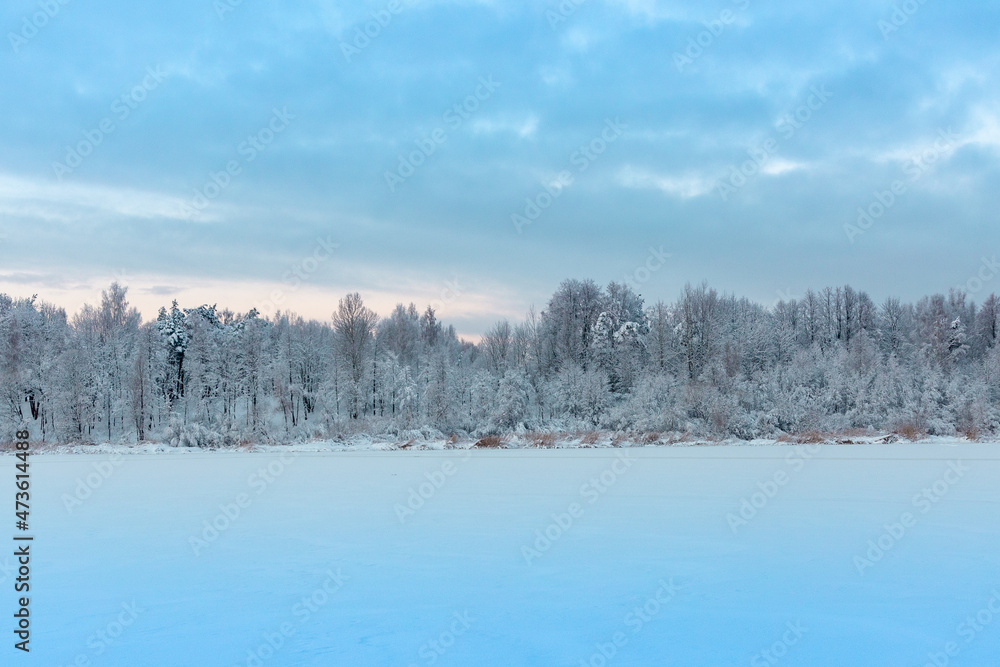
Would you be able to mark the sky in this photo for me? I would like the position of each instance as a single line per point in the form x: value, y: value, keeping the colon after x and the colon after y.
x: 474, y: 154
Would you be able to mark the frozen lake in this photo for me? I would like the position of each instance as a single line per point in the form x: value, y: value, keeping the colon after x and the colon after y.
x: 841, y: 555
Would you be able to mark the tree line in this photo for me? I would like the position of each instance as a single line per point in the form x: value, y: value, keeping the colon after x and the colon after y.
x: 707, y: 364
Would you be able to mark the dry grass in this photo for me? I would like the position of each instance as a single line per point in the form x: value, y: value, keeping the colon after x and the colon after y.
x: 853, y: 432
x: 408, y: 443
x: 971, y: 432
x: 489, y: 442
x: 650, y: 437
x: 452, y: 439
x: 719, y: 421
x: 37, y: 446
x: 910, y: 431
x: 589, y: 438
x: 804, y: 438
x: 543, y: 440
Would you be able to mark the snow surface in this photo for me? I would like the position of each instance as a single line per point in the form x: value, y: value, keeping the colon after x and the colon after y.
x: 456, y: 572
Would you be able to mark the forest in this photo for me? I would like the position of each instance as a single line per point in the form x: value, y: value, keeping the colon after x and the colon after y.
x: 596, y: 358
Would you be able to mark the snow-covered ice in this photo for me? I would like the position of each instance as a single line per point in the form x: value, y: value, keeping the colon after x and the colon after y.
x: 843, y: 555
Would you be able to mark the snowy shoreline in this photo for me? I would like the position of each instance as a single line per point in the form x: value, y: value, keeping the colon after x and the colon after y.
x: 565, y: 441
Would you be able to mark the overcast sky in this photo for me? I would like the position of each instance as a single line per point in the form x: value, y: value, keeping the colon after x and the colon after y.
x: 341, y: 162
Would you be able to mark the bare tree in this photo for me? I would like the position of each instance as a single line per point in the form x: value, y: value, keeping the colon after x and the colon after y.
x: 354, y: 325
x: 698, y: 312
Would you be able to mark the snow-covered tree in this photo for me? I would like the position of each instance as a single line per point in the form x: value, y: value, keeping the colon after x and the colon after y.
x: 594, y: 358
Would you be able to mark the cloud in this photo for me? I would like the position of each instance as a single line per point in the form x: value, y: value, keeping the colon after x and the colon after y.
x: 778, y: 166
x: 20, y: 280
x: 685, y: 186
x: 609, y: 59
x: 67, y: 202
x: 161, y: 290
x: 986, y: 132
x: 654, y: 11
x: 983, y: 132
x: 523, y: 127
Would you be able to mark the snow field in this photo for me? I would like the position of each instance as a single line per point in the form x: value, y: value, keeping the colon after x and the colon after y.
x: 520, y: 557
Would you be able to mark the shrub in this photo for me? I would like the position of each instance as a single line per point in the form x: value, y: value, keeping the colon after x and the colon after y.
x: 489, y: 442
